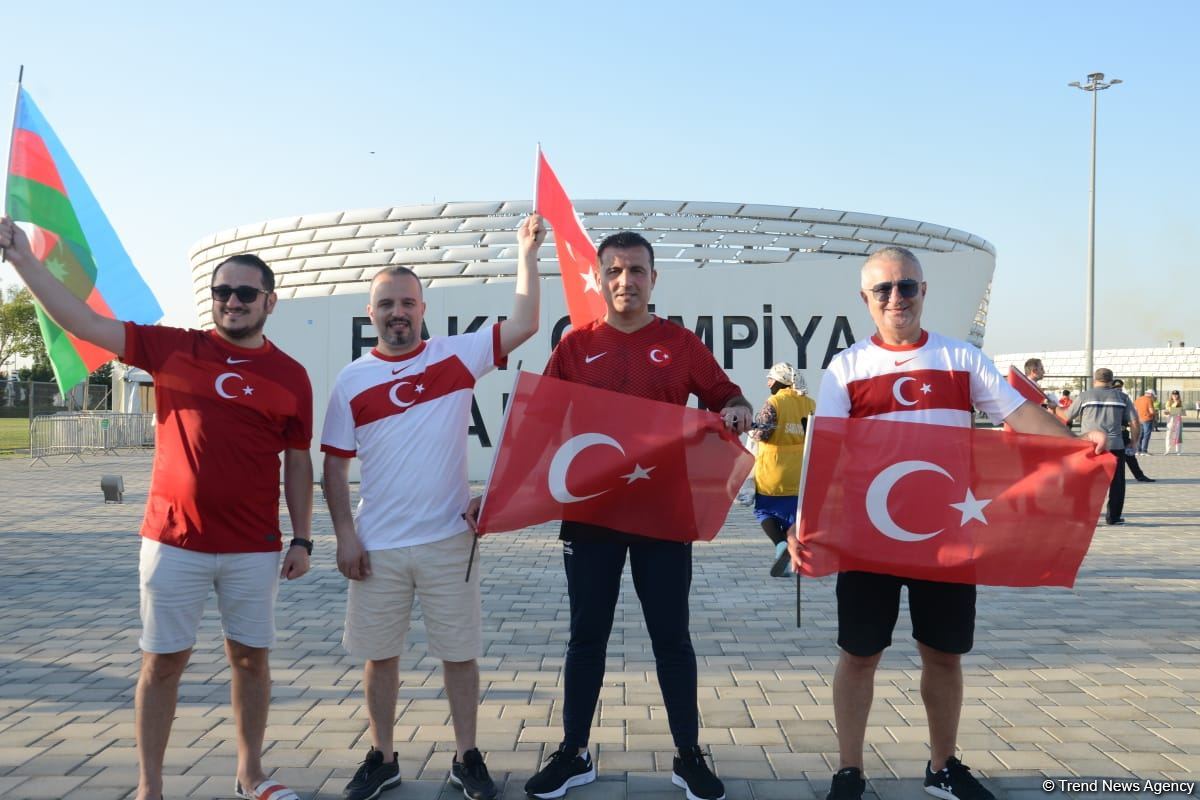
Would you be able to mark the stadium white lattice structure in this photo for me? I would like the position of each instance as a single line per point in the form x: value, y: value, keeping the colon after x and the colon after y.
x: 456, y: 243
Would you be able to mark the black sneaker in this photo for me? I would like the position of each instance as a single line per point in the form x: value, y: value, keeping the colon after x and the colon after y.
x: 564, y: 769
x: 847, y: 784
x: 955, y: 782
x: 691, y: 773
x: 472, y: 777
x: 373, y: 777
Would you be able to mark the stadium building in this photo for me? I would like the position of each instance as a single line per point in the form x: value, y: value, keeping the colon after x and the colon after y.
x: 758, y: 283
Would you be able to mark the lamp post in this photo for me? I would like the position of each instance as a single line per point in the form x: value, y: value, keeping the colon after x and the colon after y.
x: 1095, y: 84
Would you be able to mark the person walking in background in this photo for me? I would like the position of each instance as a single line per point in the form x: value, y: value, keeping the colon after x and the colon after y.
x: 1146, y: 415
x: 1064, y: 402
x: 1174, y: 424
x: 779, y: 429
x: 1130, y: 454
x: 1105, y: 408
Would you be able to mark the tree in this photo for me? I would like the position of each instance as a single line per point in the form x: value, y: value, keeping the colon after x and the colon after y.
x: 19, y: 333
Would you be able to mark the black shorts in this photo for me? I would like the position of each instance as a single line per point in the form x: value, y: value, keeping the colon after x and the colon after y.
x: 943, y: 614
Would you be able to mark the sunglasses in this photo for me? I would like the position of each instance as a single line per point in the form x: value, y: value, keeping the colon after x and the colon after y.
x: 908, y: 289
x: 245, y: 294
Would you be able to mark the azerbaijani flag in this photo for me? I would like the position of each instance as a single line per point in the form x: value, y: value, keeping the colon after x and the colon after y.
x: 73, y: 238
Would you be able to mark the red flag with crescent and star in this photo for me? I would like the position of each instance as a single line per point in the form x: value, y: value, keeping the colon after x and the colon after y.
x: 961, y: 505
x: 574, y: 452
x: 576, y: 254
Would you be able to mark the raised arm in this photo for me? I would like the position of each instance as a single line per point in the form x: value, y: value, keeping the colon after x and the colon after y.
x: 524, y: 320
x: 59, y: 302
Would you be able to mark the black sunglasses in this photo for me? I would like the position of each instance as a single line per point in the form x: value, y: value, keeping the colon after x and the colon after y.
x: 908, y: 289
x: 245, y: 294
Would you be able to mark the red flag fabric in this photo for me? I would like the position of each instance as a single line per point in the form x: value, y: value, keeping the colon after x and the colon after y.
x: 574, y: 452
x: 1025, y: 387
x: 961, y: 505
x: 576, y: 254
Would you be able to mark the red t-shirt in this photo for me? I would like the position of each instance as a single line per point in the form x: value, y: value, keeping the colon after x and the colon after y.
x: 663, y: 361
x: 224, y: 414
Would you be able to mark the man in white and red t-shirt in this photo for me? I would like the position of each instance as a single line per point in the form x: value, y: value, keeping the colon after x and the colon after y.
x: 228, y: 403
x: 403, y: 410
x: 907, y: 374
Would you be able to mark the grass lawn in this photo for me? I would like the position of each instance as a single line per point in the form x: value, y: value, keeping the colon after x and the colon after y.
x: 14, y: 434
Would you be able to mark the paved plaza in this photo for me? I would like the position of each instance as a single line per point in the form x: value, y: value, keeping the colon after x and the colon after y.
x: 1099, y: 681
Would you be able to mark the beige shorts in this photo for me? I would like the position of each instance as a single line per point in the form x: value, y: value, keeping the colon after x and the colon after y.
x: 175, y: 584
x: 379, y: 609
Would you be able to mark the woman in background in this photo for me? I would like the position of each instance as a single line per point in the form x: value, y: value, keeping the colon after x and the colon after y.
x: 1174, y: 411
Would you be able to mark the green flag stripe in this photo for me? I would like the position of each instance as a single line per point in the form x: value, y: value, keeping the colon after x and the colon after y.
x: 45, y: 207
x: 68, y: 367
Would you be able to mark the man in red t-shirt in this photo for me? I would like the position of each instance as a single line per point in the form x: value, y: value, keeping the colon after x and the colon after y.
x: 228, y: 403
x: 635, y: 352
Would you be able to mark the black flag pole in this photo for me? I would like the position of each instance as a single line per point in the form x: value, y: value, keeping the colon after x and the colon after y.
x: 808, y: 431
x: 12, y: 136
x: 503, y: 427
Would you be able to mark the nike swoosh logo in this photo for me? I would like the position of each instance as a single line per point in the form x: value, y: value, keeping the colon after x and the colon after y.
x: 398, y: 370
x: 232, y: 360
x: 905, y: 361
x: 590, y: 359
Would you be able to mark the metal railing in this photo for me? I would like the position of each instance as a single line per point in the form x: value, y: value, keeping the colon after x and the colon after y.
x: 74, y: 434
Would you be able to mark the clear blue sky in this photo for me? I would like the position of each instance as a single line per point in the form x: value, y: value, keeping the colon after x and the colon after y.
x: 199, y: 117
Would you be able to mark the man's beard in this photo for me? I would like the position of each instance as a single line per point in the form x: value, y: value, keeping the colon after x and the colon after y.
x: 238, y: 334
x: 398, y: 337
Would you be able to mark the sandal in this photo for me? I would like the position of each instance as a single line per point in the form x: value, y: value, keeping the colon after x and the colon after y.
x: 267, y: 790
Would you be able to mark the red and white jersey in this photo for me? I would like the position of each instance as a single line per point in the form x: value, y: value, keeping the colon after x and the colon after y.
x: 935, y: 381
x: 662, y: 361
x: 224, y: 414
x: 406, y: 419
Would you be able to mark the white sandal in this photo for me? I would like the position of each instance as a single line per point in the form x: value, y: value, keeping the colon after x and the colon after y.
x: 267, y: 790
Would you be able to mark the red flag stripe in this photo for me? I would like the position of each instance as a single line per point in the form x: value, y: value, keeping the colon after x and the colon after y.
x: 918, y: 390
x: 32, y: 161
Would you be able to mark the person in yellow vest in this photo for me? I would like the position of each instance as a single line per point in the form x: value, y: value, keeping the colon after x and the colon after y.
x: 779, y: 429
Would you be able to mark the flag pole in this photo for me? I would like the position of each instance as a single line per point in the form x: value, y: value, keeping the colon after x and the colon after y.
x: 495, y: 455
x: 808, y: 437
x: 13, y: 133
x: 537, y: 175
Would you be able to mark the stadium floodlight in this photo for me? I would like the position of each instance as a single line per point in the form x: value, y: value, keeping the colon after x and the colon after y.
x: 1095, y: 84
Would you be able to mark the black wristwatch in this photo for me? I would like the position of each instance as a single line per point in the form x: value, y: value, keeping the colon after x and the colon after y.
x: 305, y: 543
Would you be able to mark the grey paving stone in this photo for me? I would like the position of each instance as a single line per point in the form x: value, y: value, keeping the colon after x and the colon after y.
x: 1097, y: 680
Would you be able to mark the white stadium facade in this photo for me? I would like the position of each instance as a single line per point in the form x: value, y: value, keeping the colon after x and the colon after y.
x: 758, y: 283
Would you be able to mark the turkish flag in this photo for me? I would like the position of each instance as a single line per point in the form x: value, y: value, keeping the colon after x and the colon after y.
x: 961, y: 505
x: 1025, y: 387
x: 576, y: 254
x: 574, y: 452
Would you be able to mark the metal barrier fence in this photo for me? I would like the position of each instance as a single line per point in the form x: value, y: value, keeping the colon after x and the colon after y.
x: 73, y: 435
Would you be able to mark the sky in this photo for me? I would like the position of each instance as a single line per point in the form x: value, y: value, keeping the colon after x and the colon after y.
x: 191, y: 118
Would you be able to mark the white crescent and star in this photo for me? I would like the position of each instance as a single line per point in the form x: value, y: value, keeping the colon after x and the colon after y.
x: 881, y: 487
x: 658, y: 356
x: 557, y: 479
x: 395, y: 398
x: 563, y: 457
x: 219, y: 385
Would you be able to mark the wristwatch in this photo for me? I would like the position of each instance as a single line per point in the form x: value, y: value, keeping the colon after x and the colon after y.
x: 305, y: 543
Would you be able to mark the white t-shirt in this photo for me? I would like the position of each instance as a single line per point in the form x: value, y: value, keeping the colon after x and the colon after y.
x: 406, y: 419
x: 935, y: 381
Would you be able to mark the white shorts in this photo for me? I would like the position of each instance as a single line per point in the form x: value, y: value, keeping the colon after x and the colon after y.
x: 379, y: 609
x: 175, y: 585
